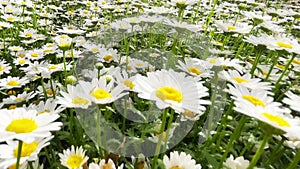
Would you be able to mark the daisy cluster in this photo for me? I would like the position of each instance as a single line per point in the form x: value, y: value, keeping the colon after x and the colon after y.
x: 169, y: 60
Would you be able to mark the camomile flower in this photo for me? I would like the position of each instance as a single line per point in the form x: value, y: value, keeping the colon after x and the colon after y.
x: 123, y: 78
x: 4, y: 67
x: 108, y: 55
x: 25, y: 124
x: 103, y: 165
x: 239, y: 27
x: 35, y: 54
x: 13, y: 82
x: 29, y: 151
x: 49, y: 106
x: 19, y: 98
x: 141, y: 162
x: 224, y: 62
x: 180, y: 161
x: 28, y: 33
x: 237, y: 163
x: 172, y: 89
x: 277, y: 118
x: 21, y: 61
x: 63, y: 41
x: 74, y: 158
x: 234, y: 77
x: 74, y: 97
x: 102, y: 92
x: 193, y: 67
x: 292, y: 100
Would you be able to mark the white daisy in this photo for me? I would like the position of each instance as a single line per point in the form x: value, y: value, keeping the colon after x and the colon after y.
x: 74, y: 97
x: 238, y: 163
x: 74, y: 158
x: 29, y: 152
x: 13, y: 82
x: 25, y: 124
x: 292, y: 100
x: 172, y: 89
x: 19, y: 98
x: 4, y: 67
x: 194, y: 67
x: 234, y: 77
x: 101, y: 92
x: 180, y: 161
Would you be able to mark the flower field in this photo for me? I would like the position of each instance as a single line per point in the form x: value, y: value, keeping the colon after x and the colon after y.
x: 160, y: 84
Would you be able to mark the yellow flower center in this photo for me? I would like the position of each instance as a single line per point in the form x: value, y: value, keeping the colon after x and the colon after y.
x: 169, y: 93
x: 35, y: 55
x: 10, y: 19
x: 264, y: 73
x: 11, y: 107
x: 231, y: 28
x: 280, y: 66
x: 80, y: 101
x: 103, y: 3
x: 212, y: 61
x: 27, y: 149
x: 19, y: 99
x: 129, y: 67
x: 50, y: 92
x: 240, y: 80
x: 188, y: 113
x: 284, y: 45
x: 129, y: 84
x: 218, y: 42
x: 296, y: 61
x: 21, y: 55
x: 108, y: 58
x: 277, y: 119
x: 95, y: 50
x: 100, y: 94
x: 52, y: 67
x: 1, y: 68
x: 12, y: 83
x: 74, y: 161
x: 22, y: 62
x: 254, y: 100
x: 176, y: 167
x: 23, y: 125
x: 14, y: 166
x: 28, y: 34
x: 194, y: 70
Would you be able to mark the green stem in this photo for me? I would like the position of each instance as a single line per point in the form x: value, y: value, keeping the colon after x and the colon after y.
x: 233, y: 137
x: 162, y: 128
x: 295, y: 161
x: 259, y: 152
x: 283, y: 73
x: 19, y: 154
x: 256, y: 61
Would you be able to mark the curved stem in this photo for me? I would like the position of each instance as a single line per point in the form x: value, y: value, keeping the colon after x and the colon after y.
x: 259, y: 152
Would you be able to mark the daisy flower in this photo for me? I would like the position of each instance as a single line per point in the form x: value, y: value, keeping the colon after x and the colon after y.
x: 75, y: 97
x: 123, y: 78
x: 29, y: 152
x: 180, y: 161
x: 25, y: 124
x: 292, y: 100
x: 74, y: 158
x: 101, y: 92
x: 19, y: 98
x: 13, y: 82
x: 49, y: 106
x: 234, y: 77
x: 103, y: 165
x: 238, y: 163
x: 239, y: 27
x: 172, y: 89
x: 193, y: 67
x: 63, y: 41
x: 4, y: 67
x: 278, y: 118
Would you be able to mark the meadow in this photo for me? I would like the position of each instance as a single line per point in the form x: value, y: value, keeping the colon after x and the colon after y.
x: 150, y: 84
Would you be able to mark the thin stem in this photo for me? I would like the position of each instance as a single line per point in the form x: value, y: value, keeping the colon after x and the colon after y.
x: 159, y: 143
x: 259, y: 152
x: 19, y: 154
x: 233, y: 137
x: 295, y: 161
